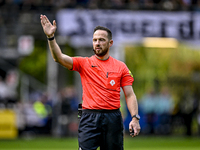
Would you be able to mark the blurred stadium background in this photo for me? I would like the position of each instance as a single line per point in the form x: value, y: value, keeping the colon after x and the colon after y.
x: 157, y: 39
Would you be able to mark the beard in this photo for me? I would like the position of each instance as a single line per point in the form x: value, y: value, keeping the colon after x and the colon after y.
x: 101, y: 52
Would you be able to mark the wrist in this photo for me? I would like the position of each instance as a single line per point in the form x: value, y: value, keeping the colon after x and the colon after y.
x: 50, y: 38
x: 135, y: 120
x: 136, y: 117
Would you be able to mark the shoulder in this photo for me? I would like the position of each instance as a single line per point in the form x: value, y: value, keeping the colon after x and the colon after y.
x: 80, y: 59
x: 83, y: 61
x: 79, y: 62
x: 117, y: 62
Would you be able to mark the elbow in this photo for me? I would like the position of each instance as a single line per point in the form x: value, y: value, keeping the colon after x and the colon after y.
x: 56, y: 60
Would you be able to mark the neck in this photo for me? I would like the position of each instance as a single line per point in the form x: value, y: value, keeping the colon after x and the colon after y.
x: 105, y: 57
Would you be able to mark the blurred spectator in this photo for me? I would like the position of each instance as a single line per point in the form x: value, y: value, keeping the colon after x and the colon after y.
x: 196, y: 5
x: 169, y: 5
x: 198, y: 118
x: 186, y: 4
x: 133, y: 4
x: 12, y: 83
x: 31, y: 117
x: 82, y: 3
x: 65, y: 112
x: 93, y: 4
x: 65, y: 3
x: 157, y: 109
x: 187, y: 108
x: 3, y: 91
x: 148, y: 4
x: 147, y: 104
x: 49, y: 5
x: 8, y: 88
x: 37, y: 112
x: 69, y: 101
x: 118, y: 4
x: 164, y: 109
x: 197, y: 107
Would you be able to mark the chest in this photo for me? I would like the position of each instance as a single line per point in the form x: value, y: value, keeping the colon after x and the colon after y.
x: 103, y: 69
x: 106, y: 74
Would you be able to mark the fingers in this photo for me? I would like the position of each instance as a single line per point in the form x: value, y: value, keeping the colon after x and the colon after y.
x: 131, y: 130
x: 134, y: 129
x: 54, y: 23
x: 137, y: 131
x: 44, y: 20
x: 134, y: 133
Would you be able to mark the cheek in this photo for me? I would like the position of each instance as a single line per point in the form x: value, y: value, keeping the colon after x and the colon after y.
x: 105, y: 44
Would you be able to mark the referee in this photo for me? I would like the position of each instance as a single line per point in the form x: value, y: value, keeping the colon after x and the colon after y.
x: 102, y: 76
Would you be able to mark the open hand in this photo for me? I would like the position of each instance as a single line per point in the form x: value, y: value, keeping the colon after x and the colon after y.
x: 48, y: 28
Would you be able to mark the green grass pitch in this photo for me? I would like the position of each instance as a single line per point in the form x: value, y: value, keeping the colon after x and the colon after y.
x: 137, y: 143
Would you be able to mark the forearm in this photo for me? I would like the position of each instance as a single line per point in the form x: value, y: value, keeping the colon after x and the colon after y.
x: 58, y: 56
x: 132, y: 104
x: 55, y: 50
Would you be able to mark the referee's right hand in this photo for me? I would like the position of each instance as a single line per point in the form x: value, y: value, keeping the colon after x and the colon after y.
x: 48, y: 28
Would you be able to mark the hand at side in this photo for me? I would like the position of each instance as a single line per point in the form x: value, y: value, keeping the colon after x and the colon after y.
x: 134, y: 125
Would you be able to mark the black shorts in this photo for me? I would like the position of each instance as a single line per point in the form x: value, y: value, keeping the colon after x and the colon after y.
x: 102, y: 128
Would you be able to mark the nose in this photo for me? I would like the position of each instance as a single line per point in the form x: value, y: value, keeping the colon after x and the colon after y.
x: 97, y: 43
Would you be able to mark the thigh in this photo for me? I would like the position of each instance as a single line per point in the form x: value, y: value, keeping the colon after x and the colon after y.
x: 89, y: 131
x: 113, y: 132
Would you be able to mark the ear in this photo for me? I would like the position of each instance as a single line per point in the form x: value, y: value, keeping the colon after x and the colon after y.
x: 110, y: 43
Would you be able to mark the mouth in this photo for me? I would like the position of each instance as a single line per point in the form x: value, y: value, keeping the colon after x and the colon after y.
x: 98, y: 48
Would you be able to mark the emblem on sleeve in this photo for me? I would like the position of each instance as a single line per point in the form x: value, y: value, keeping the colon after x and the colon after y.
x: 112, y: 82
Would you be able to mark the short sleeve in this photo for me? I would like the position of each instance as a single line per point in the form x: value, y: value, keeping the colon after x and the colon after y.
x: 127, y: 77
x: 77, y: 63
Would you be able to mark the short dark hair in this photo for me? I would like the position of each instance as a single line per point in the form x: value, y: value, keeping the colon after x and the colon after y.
x: 105, y: 29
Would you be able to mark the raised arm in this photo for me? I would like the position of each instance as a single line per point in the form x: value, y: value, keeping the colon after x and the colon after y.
x: 132, y: 105
x: 56, y: 52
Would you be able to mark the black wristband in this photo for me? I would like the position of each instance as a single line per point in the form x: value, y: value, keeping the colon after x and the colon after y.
x: 50, y: 39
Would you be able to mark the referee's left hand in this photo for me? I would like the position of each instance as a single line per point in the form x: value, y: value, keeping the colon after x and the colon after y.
x: 134, y: 126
